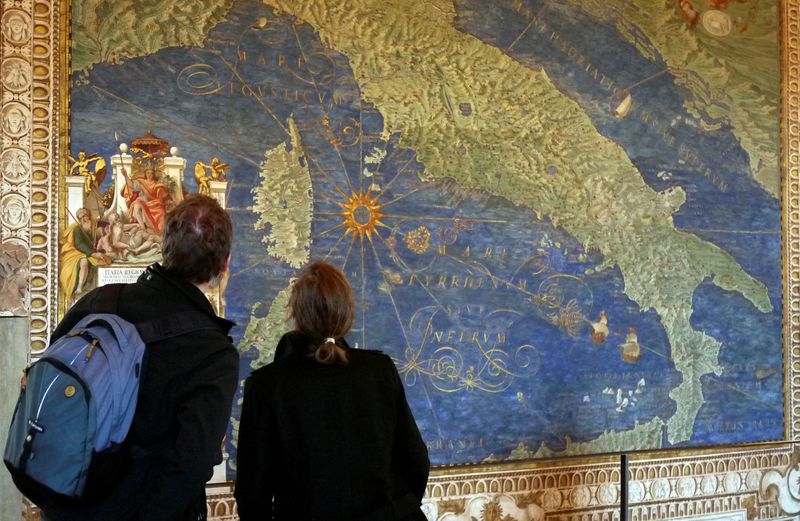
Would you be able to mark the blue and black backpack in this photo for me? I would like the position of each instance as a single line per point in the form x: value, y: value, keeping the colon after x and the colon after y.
x: 67, y: 439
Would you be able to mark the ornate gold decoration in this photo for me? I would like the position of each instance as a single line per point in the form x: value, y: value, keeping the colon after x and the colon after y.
x: 91, y: 167
x: 214, y: 171
x: 361, y: 214
x: 418, y: 240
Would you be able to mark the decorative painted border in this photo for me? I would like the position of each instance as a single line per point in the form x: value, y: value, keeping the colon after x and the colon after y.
x: 724, y: 484
x: 16, y: 93
x: 30, y: 88
x: 718, y: 486
x: 790, y: 142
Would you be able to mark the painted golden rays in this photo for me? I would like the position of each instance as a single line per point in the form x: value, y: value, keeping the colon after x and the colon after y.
x: 361, y: 214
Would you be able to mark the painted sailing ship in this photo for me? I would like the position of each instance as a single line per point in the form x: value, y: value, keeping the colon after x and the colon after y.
x: 622, y: 105
x: 629, y: 350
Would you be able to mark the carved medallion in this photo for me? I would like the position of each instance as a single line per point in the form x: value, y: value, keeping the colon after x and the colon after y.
x: 15, y: 165
x: 752, y: 479
x: 14, y: 211
x: 732, y: 482
x: 16, y: 27
x: 551, y: 499
x: 708, y: 485
x: 16, y: 74
x: 686, y: 487
x: 16, y: 119
x: 580, y: 497
x: 14, y: 276
x: 607, y: 493
x: 660, y: 489
x: 635, y: 491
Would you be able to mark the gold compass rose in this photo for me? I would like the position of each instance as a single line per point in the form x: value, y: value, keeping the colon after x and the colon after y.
x: 361, y: 214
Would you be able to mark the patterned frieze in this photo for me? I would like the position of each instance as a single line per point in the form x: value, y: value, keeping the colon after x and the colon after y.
x: 720, y: 486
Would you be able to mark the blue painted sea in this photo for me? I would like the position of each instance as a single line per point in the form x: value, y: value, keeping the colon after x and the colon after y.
x: 468, y: 293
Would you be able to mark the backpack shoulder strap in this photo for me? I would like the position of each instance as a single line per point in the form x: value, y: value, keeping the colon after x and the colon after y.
x: 161, y: 328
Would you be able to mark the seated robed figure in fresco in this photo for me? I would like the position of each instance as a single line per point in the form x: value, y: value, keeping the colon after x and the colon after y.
x: 148, y: 199
x: 79, y: 257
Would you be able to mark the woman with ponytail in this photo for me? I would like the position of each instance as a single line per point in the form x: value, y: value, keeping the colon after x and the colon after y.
x: 326, y: 432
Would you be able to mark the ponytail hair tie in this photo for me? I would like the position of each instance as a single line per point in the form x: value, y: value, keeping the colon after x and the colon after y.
x: 330, y: 340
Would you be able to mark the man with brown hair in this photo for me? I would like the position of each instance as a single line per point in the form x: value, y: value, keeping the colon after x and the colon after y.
x: 188, y: 380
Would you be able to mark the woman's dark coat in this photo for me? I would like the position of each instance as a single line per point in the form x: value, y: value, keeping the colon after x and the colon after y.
x: 328, y: 442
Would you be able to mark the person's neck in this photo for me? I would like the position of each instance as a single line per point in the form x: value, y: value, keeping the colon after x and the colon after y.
x: 205, y: 287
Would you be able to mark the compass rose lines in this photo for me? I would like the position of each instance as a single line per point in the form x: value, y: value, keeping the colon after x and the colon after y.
x: 407, y: 194
x: 241, y: 271
x: 363, y: 295
x: 437, y: 218
x: 349, y: 250
x: 398, y: 173
x: 328, y: 231
x: 171, y: 123
x: 326, y: 114
x: 408, y: 348
x: 391, y: 297
x: 261, y: 102
x: 360, y: 153
x: 388, y: 160
x: 325, y: 173
x: 335, y: 246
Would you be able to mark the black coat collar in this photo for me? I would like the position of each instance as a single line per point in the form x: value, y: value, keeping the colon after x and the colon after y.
x: 156, y: 273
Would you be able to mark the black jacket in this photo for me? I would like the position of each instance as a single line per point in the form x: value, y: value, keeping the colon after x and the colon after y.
x: 184, y: 405
x: 327, y: 442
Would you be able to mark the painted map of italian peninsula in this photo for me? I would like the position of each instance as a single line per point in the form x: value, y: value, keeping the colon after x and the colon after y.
x: 560, y: 218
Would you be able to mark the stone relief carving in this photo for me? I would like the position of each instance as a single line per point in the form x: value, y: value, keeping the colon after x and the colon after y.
x: 495, y: 508
x: 635, y: 491
x: 732, y: 482
x: 14, y: 278
x: 16, y: 74
x: 16, y: 119
x: 15, y: 165
x: 708, y: 485
x: 686, y: 487
x: 783, y: 487
x: 607, y: 493
x: 14, y: 211
x: 580, y: 496
x: 16, y: 27
x: 660, y: 489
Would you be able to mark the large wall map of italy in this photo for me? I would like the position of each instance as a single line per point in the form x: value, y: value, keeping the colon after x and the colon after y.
x: 560, y: 219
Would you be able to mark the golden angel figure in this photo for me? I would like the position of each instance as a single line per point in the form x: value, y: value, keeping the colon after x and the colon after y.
x: 203, y: 173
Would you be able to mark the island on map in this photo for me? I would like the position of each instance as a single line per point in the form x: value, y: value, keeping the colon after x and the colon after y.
x: 565, y: 247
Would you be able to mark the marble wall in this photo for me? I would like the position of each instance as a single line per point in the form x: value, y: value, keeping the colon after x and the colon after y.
x: 13, y: 336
